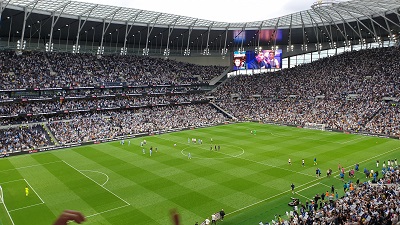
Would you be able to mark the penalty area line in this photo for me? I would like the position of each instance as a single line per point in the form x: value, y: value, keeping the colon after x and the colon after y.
x: 34, y: 190
x: 26, y: 207
x: 96, y: 182
x: 26, y: 167
x: 94, y: 171
x: 107, y: 211
x: 10, y: 181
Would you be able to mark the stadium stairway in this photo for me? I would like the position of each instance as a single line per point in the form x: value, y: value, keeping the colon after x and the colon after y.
x: 372, y: 117
x: 223, y: 111
x: 219, y: 79
x: 51, y: 135
x: 49, y: 65
x: 44, y: 126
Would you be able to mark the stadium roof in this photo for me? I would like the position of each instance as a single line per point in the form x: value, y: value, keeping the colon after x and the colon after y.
x: 327, y: 12
x: 326, y: 21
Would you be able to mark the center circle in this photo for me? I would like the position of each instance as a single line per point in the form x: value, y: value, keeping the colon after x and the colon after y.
x: 204, y: 151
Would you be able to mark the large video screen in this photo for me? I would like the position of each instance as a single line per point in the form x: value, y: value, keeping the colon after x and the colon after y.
x: 250, y: 60
x: 265, y: 36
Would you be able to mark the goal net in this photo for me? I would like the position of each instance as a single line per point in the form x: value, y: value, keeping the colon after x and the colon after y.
x: 315, y: 126
x: 5, y: 207
x: 1, y: 195
x: 1, y: 202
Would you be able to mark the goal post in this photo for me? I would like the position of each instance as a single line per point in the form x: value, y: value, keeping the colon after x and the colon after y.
x: 5, y: 207
x: 1, y: 195
x: 315, y: 126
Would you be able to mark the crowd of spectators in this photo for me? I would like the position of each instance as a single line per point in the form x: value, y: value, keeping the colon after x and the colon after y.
x: 386, y: 121
x: 22, y: 138
x: 44, y: 94
x: 50, y: 70
x: 74, y: 70
x: 103, y: 125
x: 40, y: 107
x: 44, y: 70
x: 22, y: 71
x: 344, y: 92
x: 347, y: 115
x: 366, y: 203
x: 139, y: 70
x: 370, y: 74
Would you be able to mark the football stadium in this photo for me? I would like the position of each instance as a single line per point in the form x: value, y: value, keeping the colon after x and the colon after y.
x: 116, y: 115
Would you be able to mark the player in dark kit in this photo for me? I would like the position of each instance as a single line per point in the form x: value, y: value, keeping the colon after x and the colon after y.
x: 222, y: 214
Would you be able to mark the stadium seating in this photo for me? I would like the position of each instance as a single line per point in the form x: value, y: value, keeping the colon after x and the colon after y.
x: 348, y: 92
x: 80, y: 98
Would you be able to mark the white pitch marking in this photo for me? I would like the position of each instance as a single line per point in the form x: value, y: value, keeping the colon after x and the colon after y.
x: 94, y: 171
x: 96, y: 183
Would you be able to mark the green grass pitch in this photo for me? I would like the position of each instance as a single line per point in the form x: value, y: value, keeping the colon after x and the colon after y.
x: 249, y: 177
